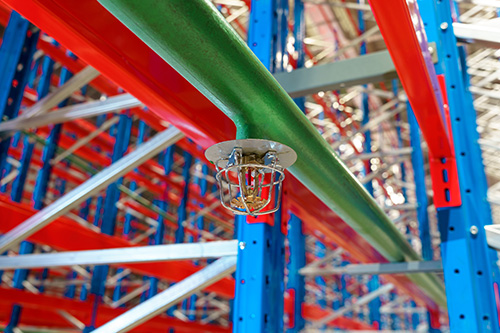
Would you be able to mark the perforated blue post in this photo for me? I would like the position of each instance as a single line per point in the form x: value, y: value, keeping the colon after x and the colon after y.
x: 467, y: 260
x: 258, y: 305
x: 296, y: 282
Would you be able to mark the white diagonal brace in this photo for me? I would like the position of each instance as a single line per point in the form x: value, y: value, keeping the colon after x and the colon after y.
x: 72, y: 112
x: 140, y: 254
x: 91, y: 187
x: 173, y: 295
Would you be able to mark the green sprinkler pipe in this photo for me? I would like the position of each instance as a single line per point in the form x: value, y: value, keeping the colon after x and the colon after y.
x: 194, y: 38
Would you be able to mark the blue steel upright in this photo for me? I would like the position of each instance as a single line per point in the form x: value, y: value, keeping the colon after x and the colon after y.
x: 16, y: 56
x: 417, y: 161
x: 16, y: 53
x: 296, y: 238
x: 108, y: 225
x: 258, y: 305
x: 470, y: 269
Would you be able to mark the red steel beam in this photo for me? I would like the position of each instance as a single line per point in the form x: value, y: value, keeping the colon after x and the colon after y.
x: 399, y: 31
x: 39, y: 310
x: 65, y: 234
x: 106, y: 44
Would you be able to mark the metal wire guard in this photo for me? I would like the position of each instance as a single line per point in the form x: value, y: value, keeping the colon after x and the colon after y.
x: 249, y: 204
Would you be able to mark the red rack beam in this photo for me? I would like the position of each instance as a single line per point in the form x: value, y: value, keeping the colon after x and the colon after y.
x: 106, y: 44
x: 397, y: 28
x: 40, y: 310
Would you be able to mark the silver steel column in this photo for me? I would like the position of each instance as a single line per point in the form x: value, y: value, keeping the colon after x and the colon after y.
x: 175, y: 294
x: 91, y: 187
x: 140, y: 254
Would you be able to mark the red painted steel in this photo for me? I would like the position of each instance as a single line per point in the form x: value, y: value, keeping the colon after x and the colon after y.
x: 100, y: 40
x: 397, y: 28
x: 66, y: 235
x: 313, y: 312
x: 40, y: 310
x: 444, y: 172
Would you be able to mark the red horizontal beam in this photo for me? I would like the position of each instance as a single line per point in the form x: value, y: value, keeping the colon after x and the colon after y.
x: 397, y: 28
x: 39, y: 310
x: 106, y: 44
x: 66, y: 235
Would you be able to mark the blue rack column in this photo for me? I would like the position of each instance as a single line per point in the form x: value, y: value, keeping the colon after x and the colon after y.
x: 258, y: 305
x: 424, y: 228
x: 182, y: 215
x: 467, y: 260
x: 296, y: 282
x: 16, y: 55
x: 296, y: 238
x: 108, y: 225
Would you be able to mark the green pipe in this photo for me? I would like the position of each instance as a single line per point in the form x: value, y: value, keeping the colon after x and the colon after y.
x: 194, y: 38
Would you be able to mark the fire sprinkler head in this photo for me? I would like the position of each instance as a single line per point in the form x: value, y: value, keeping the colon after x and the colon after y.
x: 250, y: 173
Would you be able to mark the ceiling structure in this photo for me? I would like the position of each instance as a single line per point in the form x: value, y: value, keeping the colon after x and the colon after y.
x: 177, y: 187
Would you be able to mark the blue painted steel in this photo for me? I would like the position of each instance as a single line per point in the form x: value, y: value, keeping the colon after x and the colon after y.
x: 365, y: 107
x: 26, y: 247
x: 112, y: 192
x: 98, y: 211
x: 33, y: 73
x: 395, y: 320
x: 415, y: 318
x: 296, y: 282
x: 70, y: 291
x: 182, y: 212
x: 128, y: 230
x: 375, y: 305
x: 119, y: 290
x: 50, y: 149
x: 467, y: 260
x: 158, y: 238
x: 201, y: 220
x: 299, y: 33
x: 258, y: 305
x: 16, y: 55
x: 320, y: 249
x: 417, y: 160
x: 84, y: 291
x: 18, y: 184
x: 253, y: 306
x: 21, y: 274
x: 108, y: 225
x: 395, y: 90
x: 15, y: 315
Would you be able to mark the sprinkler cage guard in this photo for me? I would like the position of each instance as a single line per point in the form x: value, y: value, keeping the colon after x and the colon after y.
x: 250, y: 173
